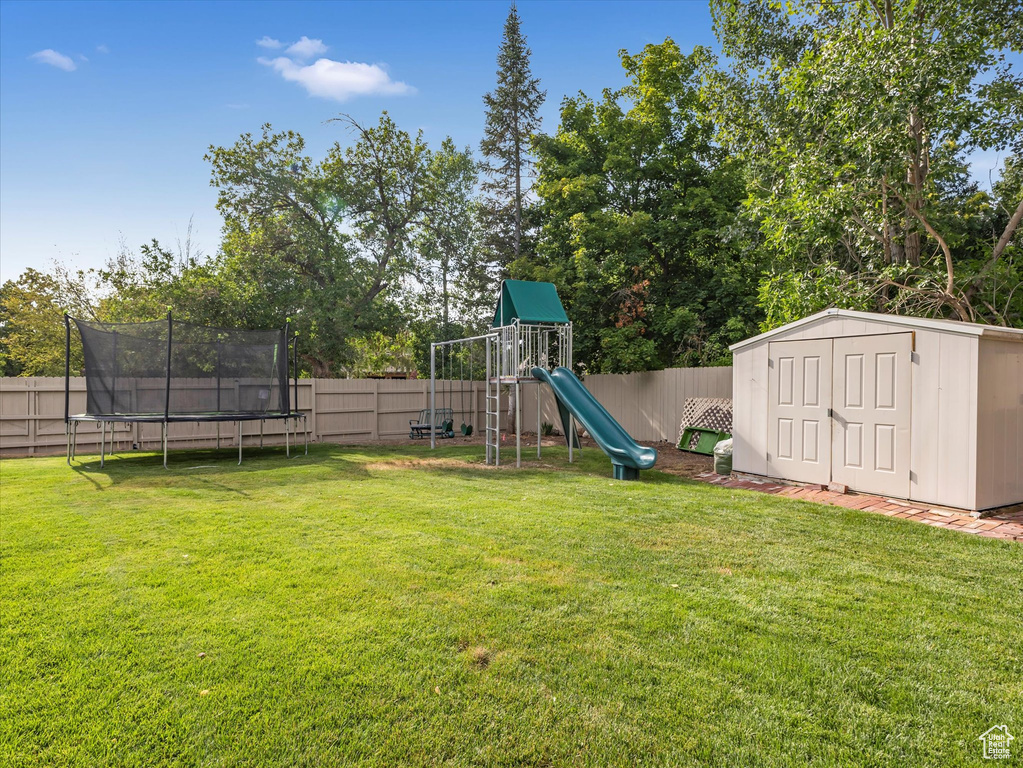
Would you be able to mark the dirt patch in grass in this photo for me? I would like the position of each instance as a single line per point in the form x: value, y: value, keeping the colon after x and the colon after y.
x: 405, y: 463
x: 670, y: 459
x: 479, y: 656
x: 682, y: 463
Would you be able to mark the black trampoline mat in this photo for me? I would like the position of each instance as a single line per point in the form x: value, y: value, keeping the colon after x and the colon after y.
x: 199, y: 417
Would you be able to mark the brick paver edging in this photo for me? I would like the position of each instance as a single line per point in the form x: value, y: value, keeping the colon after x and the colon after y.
x: 1004, y: 525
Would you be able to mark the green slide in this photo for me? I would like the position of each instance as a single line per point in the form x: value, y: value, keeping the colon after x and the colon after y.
x: 627, y: 456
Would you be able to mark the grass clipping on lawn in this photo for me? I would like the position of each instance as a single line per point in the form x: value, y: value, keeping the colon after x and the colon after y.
x: 387, y: 606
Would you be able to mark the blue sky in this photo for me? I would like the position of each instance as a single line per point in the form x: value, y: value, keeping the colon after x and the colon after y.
x: 106, y: 109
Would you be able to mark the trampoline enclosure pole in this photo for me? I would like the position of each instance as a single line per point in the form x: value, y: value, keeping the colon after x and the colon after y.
x: 170, y: 338
x: 113, y: 388
x: 67, y: 384
x: 294, y: 353
x: 67, y: 368
x: 286, y: 386
x: 166, y: 400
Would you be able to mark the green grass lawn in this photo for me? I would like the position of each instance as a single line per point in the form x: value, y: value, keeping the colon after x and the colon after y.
x: 351, y: 607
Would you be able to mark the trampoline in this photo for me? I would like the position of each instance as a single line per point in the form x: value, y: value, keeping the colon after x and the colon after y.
x: 167, y: 371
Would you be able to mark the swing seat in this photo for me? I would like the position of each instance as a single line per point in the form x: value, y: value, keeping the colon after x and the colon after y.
x: 467, y: 429
x: 443, y: 426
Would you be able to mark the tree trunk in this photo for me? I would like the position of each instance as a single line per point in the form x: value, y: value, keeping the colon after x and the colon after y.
x: 916, y: 175
x: 518, y: 189
x: 320, y: 368
x: 445, y: 294
x: 1010, y: 229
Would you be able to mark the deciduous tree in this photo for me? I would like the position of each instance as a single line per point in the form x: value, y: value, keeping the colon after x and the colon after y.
x: 334, y: 239
x: 855, y: 119
x: 637, y: 207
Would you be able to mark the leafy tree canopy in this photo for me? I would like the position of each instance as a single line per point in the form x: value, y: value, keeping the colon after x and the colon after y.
x: 636, y: 205
x: 854, y: 119
x: 32, y: 321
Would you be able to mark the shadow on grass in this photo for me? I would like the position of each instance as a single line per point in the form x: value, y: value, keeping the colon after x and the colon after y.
x: 197, y: 468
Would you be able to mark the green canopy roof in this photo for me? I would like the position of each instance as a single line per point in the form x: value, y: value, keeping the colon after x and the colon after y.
x: 528, y: 302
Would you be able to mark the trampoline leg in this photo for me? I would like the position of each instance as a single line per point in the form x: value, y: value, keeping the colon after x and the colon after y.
x: 305, y: 428
x: 102, y: 443
x: 261, y: 422
x: 163, y: 436
x: 218, y: 435
x: 239, y: 443
x: 287, y: 445
x: 67, y: 428
x: 74, y: 439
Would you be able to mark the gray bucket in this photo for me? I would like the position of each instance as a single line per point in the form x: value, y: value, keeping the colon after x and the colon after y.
x: 723, y: 457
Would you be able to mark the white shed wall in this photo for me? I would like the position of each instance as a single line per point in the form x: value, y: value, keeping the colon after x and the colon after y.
x: 749, y: 409
x: 943, y: 438
x: 1000, y: 424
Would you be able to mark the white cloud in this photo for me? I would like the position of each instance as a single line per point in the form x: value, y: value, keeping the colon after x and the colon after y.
x: 54, y: 59
x: 306, y: 48
x: 268, y: 42
x: 338, y: 80
x: 102, y: 49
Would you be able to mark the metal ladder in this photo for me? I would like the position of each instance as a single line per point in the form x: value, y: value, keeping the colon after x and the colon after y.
x: 493, y: 402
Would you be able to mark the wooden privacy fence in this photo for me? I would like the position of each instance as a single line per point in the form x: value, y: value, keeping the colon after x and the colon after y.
x: 648, y: 405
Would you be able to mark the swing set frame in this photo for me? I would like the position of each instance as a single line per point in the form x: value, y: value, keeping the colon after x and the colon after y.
x: 512, y: 351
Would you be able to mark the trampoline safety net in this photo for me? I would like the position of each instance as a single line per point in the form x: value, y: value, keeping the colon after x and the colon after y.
x: 167, y: 368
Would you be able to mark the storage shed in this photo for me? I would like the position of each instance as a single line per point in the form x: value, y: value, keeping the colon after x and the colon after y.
x: 906, y: 407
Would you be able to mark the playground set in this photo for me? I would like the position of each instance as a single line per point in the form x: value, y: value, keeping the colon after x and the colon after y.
x: 529, y: 343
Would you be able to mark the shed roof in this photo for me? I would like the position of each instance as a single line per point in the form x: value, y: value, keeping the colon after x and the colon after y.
x: 528, y: 302
x: 922, y: 323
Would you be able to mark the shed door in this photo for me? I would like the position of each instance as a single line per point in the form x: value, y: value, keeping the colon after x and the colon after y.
x: 798, y: 427
x: 872, y: 393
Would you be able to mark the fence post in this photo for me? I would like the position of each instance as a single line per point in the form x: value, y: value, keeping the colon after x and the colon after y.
x: 311, y: 421
x: 375, y: 435
x: 33, y: 422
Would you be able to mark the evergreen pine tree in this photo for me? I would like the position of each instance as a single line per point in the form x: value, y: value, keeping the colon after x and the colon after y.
x: 511, y: 119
